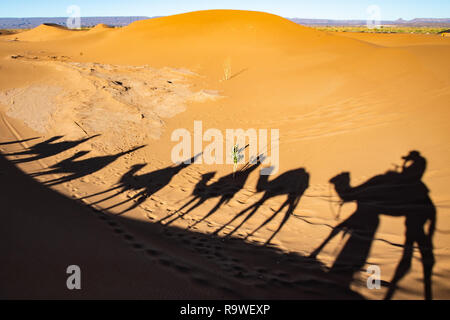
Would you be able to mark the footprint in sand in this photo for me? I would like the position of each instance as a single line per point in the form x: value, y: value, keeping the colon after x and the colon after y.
x: 152, y: 252
x: 128, y: 237
x: 165, y: 260
x: 183, y: 269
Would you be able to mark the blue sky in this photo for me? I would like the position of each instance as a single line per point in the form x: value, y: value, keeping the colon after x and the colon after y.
x: 329, y: 9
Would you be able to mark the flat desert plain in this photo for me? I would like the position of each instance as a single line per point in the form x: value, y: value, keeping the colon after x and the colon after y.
x: 88, y: 178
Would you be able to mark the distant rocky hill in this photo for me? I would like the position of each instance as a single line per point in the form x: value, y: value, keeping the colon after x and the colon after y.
x: 418, y: 22
x: 28, y: 23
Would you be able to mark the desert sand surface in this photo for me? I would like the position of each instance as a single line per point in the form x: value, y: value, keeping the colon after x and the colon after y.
x: 87, y: 118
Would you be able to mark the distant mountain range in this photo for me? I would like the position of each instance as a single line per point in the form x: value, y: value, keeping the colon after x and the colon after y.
x: 28, y: 23
x: 418, y: 22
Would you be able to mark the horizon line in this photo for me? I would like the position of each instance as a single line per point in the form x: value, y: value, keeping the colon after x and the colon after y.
x: 144, y: 16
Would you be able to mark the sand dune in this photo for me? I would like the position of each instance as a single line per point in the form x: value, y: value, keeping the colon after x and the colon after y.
x: 46, y: 32
x: 100, y: 27
x: 342, y: 102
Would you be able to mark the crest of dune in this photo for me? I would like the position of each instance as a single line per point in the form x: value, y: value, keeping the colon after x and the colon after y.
x: 203, y: 39
x: 99, y: 27
x: 45, y: 32
x: 198, y: 38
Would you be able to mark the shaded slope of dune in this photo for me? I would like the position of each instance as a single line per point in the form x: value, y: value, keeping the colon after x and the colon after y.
x: 40, y: 241
x: 121, y: 258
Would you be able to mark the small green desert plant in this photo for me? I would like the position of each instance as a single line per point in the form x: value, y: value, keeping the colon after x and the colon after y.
x: 235, y: 155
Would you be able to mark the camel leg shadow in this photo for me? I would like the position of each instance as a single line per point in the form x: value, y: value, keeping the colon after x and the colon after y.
x: 414, y: 233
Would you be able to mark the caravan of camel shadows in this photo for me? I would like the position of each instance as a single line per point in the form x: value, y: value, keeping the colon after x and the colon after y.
x: 395, y: 193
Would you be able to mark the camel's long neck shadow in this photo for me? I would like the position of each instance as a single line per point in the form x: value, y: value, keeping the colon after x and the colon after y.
x: 377, y: 185
x: 48, y: 141
x: 175, y: 170
x: 130, y: 176
x: 344, y: 190
x: 263, y: 183
x: 244, y: 174
x: 202, y: 184
x: 71, y: 160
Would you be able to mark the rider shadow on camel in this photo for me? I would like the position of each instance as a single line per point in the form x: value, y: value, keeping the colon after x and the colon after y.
x: 395, y: 193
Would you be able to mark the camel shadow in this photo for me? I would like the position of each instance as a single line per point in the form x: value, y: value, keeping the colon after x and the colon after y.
x: 46, y: 149
x: 145, y: 184
x: 223, y: 269
x: 292, y: 184
x: 75, y: 169
x: 17, y: 141
x: 225, y: 189
x: 393, y: 194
